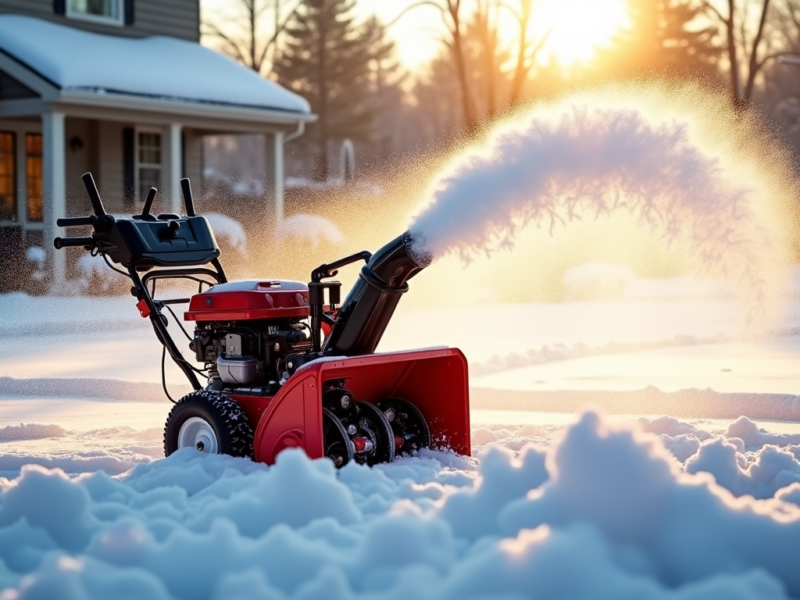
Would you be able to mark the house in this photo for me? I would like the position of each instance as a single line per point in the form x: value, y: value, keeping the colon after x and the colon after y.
x: 121, y: 88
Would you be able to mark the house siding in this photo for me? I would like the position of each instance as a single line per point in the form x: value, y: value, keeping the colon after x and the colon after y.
x: 174, y: 18
x: 81, y: 157
x: 110, y: 167
x: 193, y: 159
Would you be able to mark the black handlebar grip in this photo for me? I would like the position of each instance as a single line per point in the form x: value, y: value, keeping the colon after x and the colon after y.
x: 76, y: 221
x: 148, y: 202
x: 186, y: 188
x: 60, y: 243
x: 94, y: 195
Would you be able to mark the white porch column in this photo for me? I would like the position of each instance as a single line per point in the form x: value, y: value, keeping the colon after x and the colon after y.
x: 279, y: 176
x: 173, y: 168
x: 55, y: 189
x: 273, y: 190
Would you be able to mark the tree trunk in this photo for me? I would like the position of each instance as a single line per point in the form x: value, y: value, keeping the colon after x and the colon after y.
x: 251, y: 7
x: 521, y: 69
x: 466, y: 97
x: 730, y: 25
x: 489, y: 46
x: 754, y: 66
x: 322, y: 86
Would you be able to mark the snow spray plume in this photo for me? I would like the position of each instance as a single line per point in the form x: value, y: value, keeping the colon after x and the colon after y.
x: 589, y: 155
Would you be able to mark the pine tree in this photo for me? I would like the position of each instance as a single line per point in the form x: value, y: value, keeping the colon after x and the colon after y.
x: 332, y: 60
x: 665, y: 37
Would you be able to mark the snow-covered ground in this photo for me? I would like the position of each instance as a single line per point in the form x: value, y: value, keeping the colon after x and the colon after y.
x: 557, y: 502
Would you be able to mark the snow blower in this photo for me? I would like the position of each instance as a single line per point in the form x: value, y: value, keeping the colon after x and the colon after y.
x: 285, y: 368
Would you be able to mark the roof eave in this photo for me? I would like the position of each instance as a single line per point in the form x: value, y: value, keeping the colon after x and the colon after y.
x: 183, y: 108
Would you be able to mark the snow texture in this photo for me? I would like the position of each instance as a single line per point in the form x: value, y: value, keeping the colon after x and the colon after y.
x: 311, y: 230
x: 606, y: 501
x: 155, y: 67
x: 548, y: 170
x: 597, y: 281
x: 229, y: 230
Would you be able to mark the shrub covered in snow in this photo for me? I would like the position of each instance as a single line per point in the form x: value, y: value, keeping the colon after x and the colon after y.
x: 228, y: 230
x: 310, y: 230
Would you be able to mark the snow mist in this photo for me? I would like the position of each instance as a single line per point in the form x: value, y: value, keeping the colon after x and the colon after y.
x: 554, y: 164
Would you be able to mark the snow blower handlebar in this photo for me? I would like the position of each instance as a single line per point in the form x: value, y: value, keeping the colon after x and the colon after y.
x: 141, y: 242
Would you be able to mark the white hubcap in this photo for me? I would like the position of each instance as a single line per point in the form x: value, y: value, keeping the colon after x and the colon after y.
x: 197, y: 433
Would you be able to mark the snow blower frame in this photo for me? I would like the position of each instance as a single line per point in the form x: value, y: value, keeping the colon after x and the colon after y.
x: 284, y: 368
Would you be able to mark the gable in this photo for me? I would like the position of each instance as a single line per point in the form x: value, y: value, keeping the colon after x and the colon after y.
x: 12, y: 89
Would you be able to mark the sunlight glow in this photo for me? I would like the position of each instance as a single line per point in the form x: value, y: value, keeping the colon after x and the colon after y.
x: 578, y: 27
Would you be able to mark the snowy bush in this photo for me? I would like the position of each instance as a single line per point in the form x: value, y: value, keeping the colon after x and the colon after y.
x: 311, y: 230
x: 96, y: 278
x: 228, y: 230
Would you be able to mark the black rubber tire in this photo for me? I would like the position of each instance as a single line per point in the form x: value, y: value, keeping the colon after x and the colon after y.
x: 226, y: 417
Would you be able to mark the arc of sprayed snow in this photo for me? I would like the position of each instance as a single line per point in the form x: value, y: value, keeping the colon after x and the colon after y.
x: 600, y: 160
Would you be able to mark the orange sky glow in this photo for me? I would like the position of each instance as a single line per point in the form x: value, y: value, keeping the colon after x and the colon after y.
x: 577, y: 27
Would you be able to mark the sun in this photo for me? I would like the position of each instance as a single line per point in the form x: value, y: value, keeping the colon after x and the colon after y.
x: 578, y: 27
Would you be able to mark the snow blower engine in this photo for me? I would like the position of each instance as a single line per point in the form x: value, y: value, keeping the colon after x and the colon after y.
x: 284, y: 366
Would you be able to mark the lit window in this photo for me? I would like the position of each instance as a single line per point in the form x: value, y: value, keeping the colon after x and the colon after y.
x: 104, y: 11
x: 33, y: 155
x: 149, y: 162
x: 8, y: 176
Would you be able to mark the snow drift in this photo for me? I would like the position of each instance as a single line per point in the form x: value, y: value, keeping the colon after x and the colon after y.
x: 608, y: 502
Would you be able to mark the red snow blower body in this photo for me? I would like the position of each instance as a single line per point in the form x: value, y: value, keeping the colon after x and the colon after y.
x: 284, y: 366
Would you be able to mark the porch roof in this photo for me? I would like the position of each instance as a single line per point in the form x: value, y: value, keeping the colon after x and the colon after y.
x: 80, y: 64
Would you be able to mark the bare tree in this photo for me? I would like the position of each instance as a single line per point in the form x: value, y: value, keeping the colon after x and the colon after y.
x: 451, y: 12
x: 746, y: 46
x: 527, y: 49
x: 245, y: 36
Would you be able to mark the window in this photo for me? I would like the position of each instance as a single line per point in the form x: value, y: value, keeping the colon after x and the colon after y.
x: 33, y: 158
x: 8, y: 176
x: 102, y: 11
x: 148, y: 164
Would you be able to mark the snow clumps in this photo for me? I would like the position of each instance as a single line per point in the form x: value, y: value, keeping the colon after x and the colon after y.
x: 605, y: 512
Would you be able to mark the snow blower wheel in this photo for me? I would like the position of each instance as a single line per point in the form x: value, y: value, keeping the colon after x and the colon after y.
x: 408, y: 424
x: 209, y: 422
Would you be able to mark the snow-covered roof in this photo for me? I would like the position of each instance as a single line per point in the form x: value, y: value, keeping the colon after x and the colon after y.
x: 155, y: 67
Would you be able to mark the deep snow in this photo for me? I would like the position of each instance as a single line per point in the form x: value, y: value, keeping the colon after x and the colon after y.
x: 604, y: 511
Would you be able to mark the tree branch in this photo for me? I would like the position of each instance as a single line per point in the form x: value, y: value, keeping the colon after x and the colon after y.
x: 713, y: 9
x: 412, y: 7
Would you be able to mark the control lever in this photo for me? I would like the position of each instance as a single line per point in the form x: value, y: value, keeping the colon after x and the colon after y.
x: 186, y: 188
x: 148, y: 202
x: 94, y: 195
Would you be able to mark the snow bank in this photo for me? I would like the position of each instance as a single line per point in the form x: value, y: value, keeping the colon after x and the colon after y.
x: 597, y: 281
x: 30, y: 431
x: 309, y: 229
x: 607, y: 502
x: 155, y: 66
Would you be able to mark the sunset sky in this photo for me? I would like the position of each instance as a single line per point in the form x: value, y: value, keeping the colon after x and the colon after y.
x: 578, y: 26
